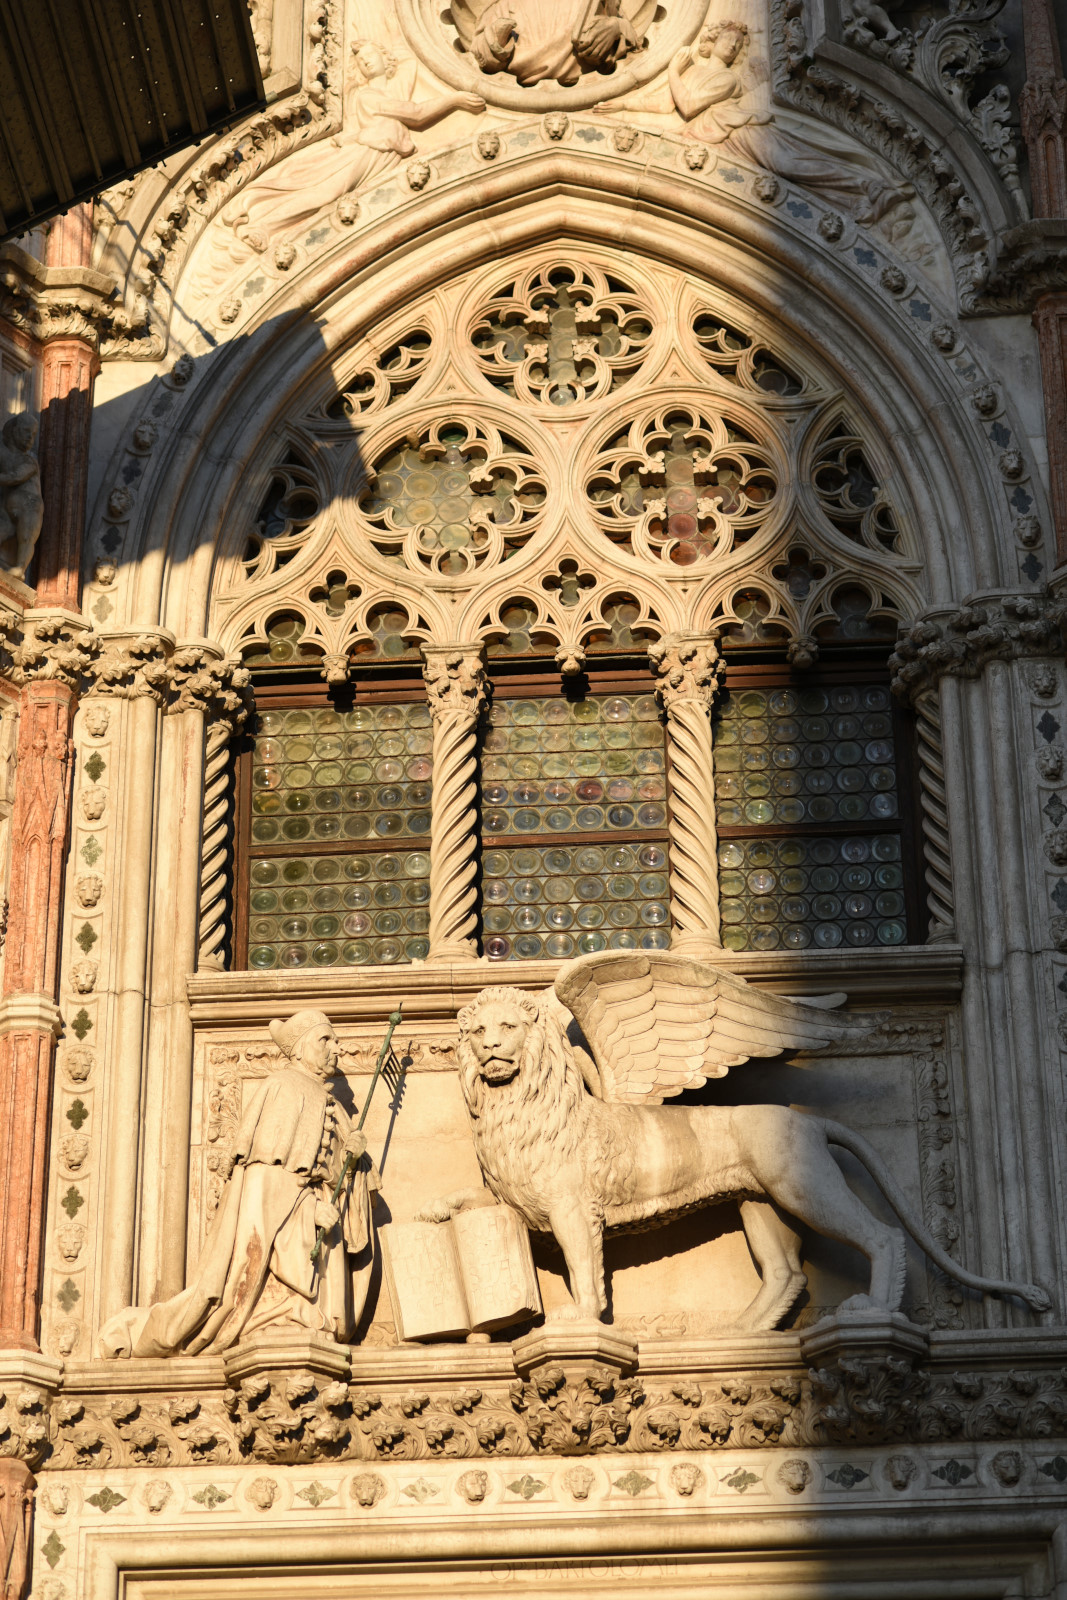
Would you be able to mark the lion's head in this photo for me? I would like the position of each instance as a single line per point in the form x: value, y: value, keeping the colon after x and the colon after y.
x: 522, y: 1089
x: 494, y: 1032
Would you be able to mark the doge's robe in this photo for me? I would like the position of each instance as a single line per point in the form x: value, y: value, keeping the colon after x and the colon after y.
x: 256, y: 1269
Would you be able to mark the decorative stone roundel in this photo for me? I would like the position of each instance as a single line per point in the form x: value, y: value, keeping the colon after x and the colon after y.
x: 442, y: 38
x: 562, y: 333
x: 567, y: 452
x: 683, y: 484
x: 453, y: 495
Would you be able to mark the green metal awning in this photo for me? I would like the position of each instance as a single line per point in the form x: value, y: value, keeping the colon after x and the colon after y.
x: 94, y: 90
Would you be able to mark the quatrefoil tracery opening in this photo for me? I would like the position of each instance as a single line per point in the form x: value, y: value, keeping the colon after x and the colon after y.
x: 683, y: 485
x: 453, y: 494
x: 719, y: 443
x: 562, y: 334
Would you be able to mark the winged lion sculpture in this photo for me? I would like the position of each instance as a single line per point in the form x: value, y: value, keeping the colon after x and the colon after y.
x: 577, y: 1143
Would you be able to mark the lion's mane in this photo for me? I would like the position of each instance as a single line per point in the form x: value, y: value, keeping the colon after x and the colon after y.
x: 536, y: 1116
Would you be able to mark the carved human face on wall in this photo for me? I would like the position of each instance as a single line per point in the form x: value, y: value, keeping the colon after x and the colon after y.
x: 497, y: 1037
x: 319, y: 1051
x: 726, y: 48
x: 371, y: 61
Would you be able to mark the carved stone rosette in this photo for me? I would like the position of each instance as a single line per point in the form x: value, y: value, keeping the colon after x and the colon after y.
x: 689, y: 669
x: 455, y: 687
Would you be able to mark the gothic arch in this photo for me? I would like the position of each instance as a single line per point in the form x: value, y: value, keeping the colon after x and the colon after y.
x: 873, y: 340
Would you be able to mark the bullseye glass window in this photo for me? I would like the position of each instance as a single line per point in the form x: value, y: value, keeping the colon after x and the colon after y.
x: 812, y: 824
x: 574, y: 827
x: 338, y: 840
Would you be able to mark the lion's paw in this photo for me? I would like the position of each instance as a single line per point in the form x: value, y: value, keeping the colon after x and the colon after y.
x: 568, y: 1314
x: 440, y: 1211
x: 861, y: 1305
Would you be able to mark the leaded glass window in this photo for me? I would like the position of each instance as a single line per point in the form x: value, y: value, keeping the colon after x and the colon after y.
x: 813, y: 815
x: 574, y: 826
x: 337, y: 842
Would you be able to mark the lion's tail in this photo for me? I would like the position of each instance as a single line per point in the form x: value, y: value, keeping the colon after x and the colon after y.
x: 1035, y: 1297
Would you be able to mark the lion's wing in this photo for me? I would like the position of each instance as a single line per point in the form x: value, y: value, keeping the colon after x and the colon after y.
x: 658, y: 1023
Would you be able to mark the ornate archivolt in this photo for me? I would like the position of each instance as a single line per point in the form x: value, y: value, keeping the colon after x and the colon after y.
x: 565, y: 452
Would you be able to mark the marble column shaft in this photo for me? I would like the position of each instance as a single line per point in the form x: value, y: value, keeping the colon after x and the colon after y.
x: 39, y: 828
x: 689, y: 669
x: 455, y: 686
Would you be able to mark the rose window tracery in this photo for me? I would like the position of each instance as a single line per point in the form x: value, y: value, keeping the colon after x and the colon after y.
x: 453, y: 495
x: 849, y: 492
x: 736, y: 356
x: 385, y: 378
x: 683, y: 485
x: 562, y: 334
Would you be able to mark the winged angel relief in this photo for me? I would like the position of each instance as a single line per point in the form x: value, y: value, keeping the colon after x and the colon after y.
x: 534, y: 41
x: 577, y: 1143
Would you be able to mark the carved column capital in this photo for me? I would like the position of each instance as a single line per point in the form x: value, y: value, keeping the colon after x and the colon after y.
x: 689, y: 667
x: 47, y: 645
x: 962, y: 643
x: 50, y: 301
x: 455, y: 679
x: 201, y: 678
x: 130, y: 666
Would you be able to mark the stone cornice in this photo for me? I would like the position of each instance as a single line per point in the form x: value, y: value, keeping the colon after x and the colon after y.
x: 57, y: 302
x: 961, y: 642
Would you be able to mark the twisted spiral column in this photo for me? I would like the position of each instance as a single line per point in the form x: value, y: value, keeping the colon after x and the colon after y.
x: 933, y: 805
x: 215, y: 849
x: 689, y: 671
x: 455, y: 687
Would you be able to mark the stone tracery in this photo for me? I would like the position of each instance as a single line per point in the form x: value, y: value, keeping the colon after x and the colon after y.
x: 736, y: 457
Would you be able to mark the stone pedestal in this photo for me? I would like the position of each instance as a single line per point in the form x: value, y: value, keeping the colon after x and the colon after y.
x: 287, y: 1353
x: 576, y: 1347
x: 879, y: 1336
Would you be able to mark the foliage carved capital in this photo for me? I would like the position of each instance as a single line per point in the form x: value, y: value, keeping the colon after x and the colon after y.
x: 961, y: 644
x: 47, y: 645
x: 199, y: 680
x: 455, y: 680
x: 689, y: 667
x: 130, y: 666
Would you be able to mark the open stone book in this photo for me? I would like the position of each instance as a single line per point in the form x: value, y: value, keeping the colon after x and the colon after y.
x: 470, y: 1275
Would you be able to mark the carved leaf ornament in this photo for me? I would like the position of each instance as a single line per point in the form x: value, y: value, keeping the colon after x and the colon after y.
x: 569, y: 452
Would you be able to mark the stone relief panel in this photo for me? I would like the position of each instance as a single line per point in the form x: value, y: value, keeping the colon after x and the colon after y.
x: 892, y: 1084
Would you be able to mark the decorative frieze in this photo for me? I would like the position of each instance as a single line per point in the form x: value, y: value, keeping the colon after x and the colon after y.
x: 305, y: 1415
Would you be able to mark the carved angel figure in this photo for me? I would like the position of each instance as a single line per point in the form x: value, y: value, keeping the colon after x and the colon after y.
x: 711, y: 94
x: 379, y: 120
x: 256, y: 1272
x: 533, y: 40
x: 577, y: 1143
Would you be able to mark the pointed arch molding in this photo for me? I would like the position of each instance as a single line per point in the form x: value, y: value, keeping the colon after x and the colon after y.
x: 939, y: 425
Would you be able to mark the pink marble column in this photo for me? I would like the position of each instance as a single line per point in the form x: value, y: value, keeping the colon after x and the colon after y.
x: 40, y: 814
x: 1043, y: 104
x: 68, y: 367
